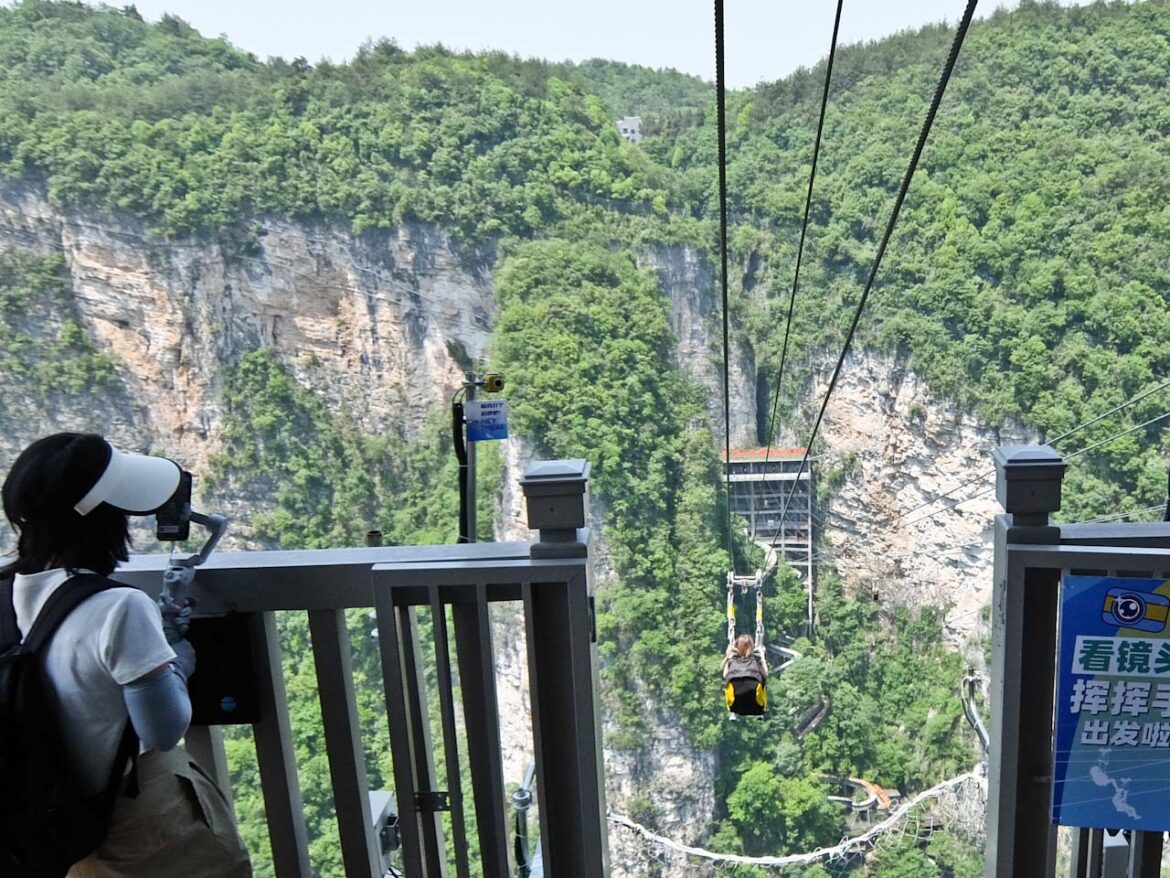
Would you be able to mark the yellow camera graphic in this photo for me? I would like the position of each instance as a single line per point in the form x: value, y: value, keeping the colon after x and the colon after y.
x: 1135, y: 609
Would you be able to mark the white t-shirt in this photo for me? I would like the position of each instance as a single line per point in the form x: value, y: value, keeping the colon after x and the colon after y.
x: 111, y: 639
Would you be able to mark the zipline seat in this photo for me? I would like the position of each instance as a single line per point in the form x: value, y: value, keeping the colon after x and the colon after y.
x: 746, y: 696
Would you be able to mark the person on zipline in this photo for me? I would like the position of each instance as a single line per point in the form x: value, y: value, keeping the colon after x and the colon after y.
x: 745, y: 673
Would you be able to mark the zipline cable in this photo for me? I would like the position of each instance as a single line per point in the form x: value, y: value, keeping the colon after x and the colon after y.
x: 1111, y: 411
x: 1133, y: 429
x: 960, y: 35
x: 721, y: 121
x: 812, y: 176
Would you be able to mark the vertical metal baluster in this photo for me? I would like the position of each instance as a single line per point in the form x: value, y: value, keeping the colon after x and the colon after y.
x: 1096, y: 852
x: 450, y: 741
x: 343, y: 744
x: 477, y: 677
x: 1145, y: 855
x: 276, y: 756
x: 422, y: 831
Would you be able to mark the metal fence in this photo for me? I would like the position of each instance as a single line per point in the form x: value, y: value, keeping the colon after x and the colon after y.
x: 1031, y: 556
x: 549, y: 577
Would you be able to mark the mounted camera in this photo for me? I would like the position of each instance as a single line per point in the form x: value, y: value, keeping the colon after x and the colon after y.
x: 173, y: 524
x: 173, y: 518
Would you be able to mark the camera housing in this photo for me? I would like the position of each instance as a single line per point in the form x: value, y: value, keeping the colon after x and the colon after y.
x: 173, y: 518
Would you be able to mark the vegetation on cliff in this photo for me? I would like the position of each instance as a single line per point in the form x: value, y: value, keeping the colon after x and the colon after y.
x: 42, y: 345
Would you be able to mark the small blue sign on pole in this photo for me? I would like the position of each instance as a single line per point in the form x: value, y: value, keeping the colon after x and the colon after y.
x: 486, y: 419
x: 1112, y: 766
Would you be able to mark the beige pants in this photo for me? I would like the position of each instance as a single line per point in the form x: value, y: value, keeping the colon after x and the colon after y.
x: 179, y: 826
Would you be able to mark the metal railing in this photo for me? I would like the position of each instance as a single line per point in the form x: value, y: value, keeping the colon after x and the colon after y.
x: 1031, y: 556
x: 550, y: 578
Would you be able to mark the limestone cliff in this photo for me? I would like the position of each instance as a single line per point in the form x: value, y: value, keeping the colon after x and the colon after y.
x: 371, y: 322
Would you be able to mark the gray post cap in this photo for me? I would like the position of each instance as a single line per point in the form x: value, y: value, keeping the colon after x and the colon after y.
x: 543, y: 476
x: 555, y: 490
x: 1028, y: 478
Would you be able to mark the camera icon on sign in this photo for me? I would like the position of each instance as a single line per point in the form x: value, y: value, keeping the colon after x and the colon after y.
x: 1135, y: 609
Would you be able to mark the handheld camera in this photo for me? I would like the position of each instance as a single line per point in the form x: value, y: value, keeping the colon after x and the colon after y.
x: 173, y: 524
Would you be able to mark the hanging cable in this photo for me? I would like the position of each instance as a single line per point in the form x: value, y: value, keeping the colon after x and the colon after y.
x: 960, y: 34
x: 721, y: 122
x: 1118, y: 516
x: 812, y: 176
x: 1134, y: 429
x: 1111, y: 411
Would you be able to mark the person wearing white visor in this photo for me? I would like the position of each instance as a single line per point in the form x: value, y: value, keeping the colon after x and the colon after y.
x: 68, y: 497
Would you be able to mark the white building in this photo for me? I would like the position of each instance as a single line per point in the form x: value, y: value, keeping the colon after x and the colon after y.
x: 630, y: 128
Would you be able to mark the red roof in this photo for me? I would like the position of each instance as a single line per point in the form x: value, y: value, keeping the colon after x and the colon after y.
x: 761, y: 453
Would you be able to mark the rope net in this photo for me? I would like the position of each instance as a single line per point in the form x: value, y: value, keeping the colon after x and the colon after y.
x: 958, y: 805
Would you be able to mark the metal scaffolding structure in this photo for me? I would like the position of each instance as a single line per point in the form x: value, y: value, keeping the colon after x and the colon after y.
x: 761, y: 480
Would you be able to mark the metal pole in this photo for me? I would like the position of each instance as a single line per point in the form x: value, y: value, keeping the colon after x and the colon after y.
x: 470, y: 385
x: 1145, y: 854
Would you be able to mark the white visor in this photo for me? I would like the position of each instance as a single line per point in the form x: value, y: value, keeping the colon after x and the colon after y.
x: 133, y: 483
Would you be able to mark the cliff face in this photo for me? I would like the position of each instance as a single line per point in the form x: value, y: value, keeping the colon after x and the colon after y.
x: 381, y: 325
x: 377, y: 317
x: 690, y: 283
x: 891, y: 523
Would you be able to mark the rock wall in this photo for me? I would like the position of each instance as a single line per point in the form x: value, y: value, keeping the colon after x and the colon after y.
x: 375, y: 323
x: 893, y: 454
x: 690, y: 283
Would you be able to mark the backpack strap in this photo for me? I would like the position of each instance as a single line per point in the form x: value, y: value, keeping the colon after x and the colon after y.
x: 9, y: 630
x: 63, y: 601
x: 120, y: 780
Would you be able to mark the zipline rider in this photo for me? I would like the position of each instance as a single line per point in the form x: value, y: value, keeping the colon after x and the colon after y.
x: 745, y: 673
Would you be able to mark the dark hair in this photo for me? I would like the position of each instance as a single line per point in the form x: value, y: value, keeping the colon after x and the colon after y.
x: 46, y: 481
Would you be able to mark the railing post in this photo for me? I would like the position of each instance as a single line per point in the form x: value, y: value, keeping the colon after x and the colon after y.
x: 1021, y: 841
x: 562, y: 662
x: 343, y: 744
x: 276, y: 756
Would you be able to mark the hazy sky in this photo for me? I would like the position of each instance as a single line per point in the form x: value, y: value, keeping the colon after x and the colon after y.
x: 766, y: 39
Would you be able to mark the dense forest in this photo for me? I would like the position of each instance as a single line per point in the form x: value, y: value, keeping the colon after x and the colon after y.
x: 1029, y: 279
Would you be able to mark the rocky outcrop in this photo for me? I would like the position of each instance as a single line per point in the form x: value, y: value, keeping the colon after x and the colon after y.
x: 690, y: 282
x: 668, y: 785
x: 893, y: 454
x: 376, y: 323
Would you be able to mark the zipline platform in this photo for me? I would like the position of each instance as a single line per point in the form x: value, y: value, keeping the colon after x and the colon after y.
x: 761, y: 481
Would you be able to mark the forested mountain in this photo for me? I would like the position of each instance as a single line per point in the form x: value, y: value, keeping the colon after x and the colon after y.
x: 1028, y: 279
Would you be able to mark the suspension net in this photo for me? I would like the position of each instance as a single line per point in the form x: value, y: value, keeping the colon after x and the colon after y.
x: 958, y: 804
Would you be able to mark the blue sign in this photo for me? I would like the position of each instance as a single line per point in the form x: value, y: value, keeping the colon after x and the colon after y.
x: 1113, y: 704
x: 486, y: 419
